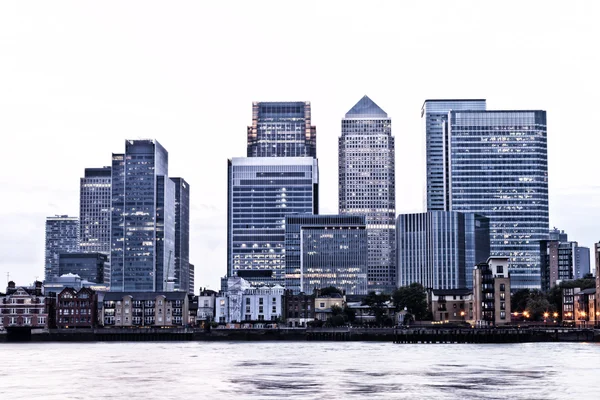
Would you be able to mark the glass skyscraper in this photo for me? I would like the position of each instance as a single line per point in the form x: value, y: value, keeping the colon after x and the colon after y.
x: 367, y: 185
x: 94, y: 210
x: 326, y: 250
x: 262, y: 191
x: 498, y: 167
x: 143, y: 218
x: 182, y: 235
x: 434, y: 115
x: 282, y: 129
x: 62, y: 236
x: 439, y: 249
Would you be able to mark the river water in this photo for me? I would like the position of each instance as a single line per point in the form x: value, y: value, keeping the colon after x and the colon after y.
x: 306, y: 370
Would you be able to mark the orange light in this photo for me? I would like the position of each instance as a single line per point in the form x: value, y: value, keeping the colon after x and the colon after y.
x: 546, y: 315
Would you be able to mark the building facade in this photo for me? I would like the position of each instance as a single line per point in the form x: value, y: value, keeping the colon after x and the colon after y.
x: 434, y: 116
x: 182, y: 236
x: 143, y: 218
x: 92, y: 267
x: 582, y: 262
x: 440, y: 249
x: 262, y: 191
x: 451, y: 305
x: 94, y: 210
x: 498, y: 167
x: 282, y: 129
x: 299, y: 309
x: 76, y: 309
x: 491, y: 292
x: 367, y: 185
x: 23, y: 307
x: 192, y: 278
x: 206, y: 305
x: 244, y: 304
x: 151, y: 309
x: 326, y: 250
x: 62, y: 236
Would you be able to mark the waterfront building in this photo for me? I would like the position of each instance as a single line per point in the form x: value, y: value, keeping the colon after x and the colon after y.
x: 248, y: 305
x: 93, y: 267
x: 262, y: 191
x: 282, y: 129
x: 498, y: 167
x: 367, y: 186
x: 597, y: 274
x: 440, y: 249
x: 324, y: 303
x: 569, y: 312
x: 193, y: 306
x: 491, y: 292
x: 182, y: 236
x: 24, y: 307
x: 76, y: 308
x: 62, y: 236
x: 143, y: 218
x: 206, y: 305
x: 451, y: 305
x: 434, y: 116
x: 94, y: 210
x: 562, y: 261
x: 326, y: 250
x: 149, y: 309
x: 299, y: 308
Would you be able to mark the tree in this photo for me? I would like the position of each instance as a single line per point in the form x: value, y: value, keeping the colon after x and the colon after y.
x: 413, y: 298
x: 350, y: 314
x: 518, y: 301
x: 376, y: 303
x: 336, y: 310
x: 537, y: 304
x: 329, y: 290
x: 337, y: 320
x: 579, y: 283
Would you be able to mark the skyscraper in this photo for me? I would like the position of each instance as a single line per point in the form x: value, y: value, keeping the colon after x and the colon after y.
x: 282, y: 129
x: 326, y: 250
x: 498, y: 167
x: 143, y: 218
x: 182, y: 234
x: 434, y: 115
x: 439, y: 249
x: 94, y: 210
x: 367, y: 185
x: 62, y: 236
x: 262, y: 191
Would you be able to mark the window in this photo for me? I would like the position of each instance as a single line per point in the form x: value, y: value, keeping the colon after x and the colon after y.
x: 247, y: 300
x: 502, y: 287
x: 260, y: 300
x: 502, y: 296
x: 500, y: 269
x: 322, y: 305
x: 260, y: 309
x: 274, y: 300
x: 502, y: 314
x: 274, y: 309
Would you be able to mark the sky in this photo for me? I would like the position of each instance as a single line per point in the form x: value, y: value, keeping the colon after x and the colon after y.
x: 78, y: 78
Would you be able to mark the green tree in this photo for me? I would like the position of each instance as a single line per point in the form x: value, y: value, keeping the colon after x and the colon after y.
x: 376, y: 303
x: 329, y: 290
x: 350, y: 314
x: 412, y: 297
x: 518, y: 301
x: 337, y: 320
x: 537, y: 304
x: 336, y: 310
x: 579, y: 283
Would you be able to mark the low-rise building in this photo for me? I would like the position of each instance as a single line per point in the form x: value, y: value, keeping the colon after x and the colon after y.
x: 579, y: 306
x: 192, y: 310
x: 324, y: 303
x: 24, y: 307
x: 568, y: 304
x: 148, y: 309
x: 54, y: 286
x: 247, y: 305
x: 451, y: 305
x: 76, y: 309
x: 206, y: 305
x: 491, y: 292
x: 299, y: 308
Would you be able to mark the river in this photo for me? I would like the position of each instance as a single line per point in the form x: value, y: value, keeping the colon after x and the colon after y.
x: 306, y: 370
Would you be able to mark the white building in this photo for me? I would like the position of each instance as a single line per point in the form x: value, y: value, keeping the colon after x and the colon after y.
x: 206, y: 305
x: 242, y: 303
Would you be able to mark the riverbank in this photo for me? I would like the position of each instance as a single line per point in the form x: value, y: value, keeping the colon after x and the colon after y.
x: 410, y: 335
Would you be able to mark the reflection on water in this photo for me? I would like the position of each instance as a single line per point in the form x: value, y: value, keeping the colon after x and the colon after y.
x: 274, y: 370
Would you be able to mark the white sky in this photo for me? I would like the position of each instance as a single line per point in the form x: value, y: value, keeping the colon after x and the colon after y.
x: 78, y: 78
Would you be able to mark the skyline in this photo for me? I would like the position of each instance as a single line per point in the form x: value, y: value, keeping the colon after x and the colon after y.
x: 78, y: 97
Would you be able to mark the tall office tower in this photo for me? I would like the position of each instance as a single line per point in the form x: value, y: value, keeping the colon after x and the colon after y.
x: 434, y: 115
x: 191, y: 279
x: 582, y: 262
x: 440, y: 249
x: 143, y: 218
x: 367, y: 185
x: 94, y: 210
x: 92, y: 267
x: 498, y: 167
x: 559, y: 235
x: 282, y: 129
x: 182, y: 234
x: 62, y: 236
x: 261, y: 192
x: 326, y: 250
x: 597, y: 273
